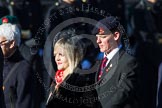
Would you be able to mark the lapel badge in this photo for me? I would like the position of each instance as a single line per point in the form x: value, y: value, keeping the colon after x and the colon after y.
x: 109, y: 68
x: 3, y: 88
x: 110, y: 65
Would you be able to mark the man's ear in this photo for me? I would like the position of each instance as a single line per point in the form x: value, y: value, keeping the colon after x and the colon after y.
x: 116, y: 36
x: 12, y: 43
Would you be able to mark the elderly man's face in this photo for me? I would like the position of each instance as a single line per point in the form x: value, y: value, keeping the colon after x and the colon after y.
x: 6, y: 46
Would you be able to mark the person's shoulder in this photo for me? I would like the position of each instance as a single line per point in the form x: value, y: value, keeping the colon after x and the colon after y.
x: 128, y: 60
x: 128, y: 56
x: 24, y: 71
x: 23, y: 64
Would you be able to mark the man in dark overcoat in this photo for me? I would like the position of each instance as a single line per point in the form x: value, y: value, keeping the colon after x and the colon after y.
x: 18, y: 77
x: 118, y: 74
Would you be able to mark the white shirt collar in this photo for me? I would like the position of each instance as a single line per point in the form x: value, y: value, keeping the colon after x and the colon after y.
x: 111, y: 54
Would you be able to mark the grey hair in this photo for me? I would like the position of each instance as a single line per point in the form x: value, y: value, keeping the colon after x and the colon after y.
x: 10, y: 32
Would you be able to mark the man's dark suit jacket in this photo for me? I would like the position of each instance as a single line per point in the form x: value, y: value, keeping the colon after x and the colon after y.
x: 18, y: 89
x: 118, y: 86
x: 1, y: 79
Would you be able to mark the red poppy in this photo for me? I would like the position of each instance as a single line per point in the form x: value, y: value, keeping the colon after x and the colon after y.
x: 4, y: 20
x: 59, y: 77
x: 101, y: 31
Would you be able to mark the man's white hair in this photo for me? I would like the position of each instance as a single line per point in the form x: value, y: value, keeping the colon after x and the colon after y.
x: 10, y: 32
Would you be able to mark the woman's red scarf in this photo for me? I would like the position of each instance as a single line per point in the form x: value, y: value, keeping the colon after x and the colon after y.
x: 59, y: 77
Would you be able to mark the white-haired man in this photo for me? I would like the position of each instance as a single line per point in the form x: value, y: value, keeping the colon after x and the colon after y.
x: 17, y: 72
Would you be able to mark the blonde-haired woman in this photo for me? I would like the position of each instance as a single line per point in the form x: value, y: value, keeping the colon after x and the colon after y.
x: 68, y: 52
x: 67, y: 55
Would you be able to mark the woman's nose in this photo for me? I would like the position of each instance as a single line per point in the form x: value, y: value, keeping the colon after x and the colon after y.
x: 57, y: 58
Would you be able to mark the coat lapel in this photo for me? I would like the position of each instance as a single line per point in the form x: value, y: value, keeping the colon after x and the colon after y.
x: 98, y: 70
x: 110, y: 69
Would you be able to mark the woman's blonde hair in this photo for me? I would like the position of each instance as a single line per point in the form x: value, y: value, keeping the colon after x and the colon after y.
x: 72, y: 50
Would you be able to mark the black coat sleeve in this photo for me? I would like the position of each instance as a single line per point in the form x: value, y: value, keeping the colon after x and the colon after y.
x: 24, y: 87
x: 1, y: 80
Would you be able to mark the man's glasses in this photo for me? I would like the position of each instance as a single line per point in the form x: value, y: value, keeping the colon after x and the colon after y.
x: 3, y: 42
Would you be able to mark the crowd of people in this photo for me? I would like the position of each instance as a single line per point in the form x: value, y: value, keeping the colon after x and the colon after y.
x: 113, y: 61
